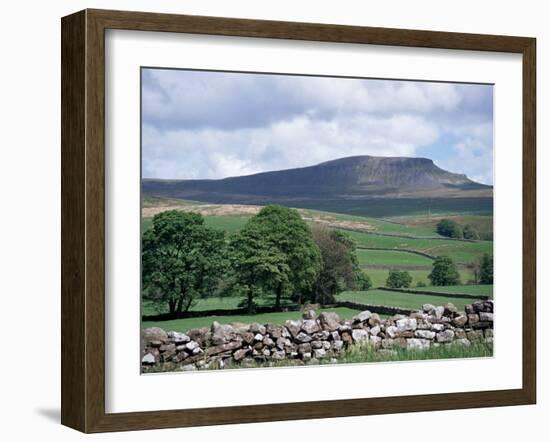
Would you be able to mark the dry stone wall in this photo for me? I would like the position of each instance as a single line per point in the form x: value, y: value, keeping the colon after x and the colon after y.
x: 314, y: 338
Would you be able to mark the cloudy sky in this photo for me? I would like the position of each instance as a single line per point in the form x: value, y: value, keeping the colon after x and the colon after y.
x: 198, y: 124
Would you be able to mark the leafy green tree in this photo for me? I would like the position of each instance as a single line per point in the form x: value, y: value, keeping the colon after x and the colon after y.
x: 398, y: 279
x: 449, y: 228
x: 486, y: 269
x: 444, y: 272
x: 275, y: 252
x: 258, y: 268
x: 182, y: 260
x: 363, y: 281
x: 470, y: 232
x: 339, y: 266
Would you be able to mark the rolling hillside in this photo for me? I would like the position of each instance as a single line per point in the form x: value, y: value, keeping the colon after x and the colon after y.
x: 352, y: 178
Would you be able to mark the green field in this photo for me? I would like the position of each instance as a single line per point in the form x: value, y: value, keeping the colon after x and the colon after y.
x: 383, y: 225
x: 462, y: 252
x: 403, y: 300
x: 393, y: 207
x: 390, y: 258
x: 484, y: 290
x: 378, y: 276
x: 216, y: 303
x: 482, y: 223
x: 263, y: 318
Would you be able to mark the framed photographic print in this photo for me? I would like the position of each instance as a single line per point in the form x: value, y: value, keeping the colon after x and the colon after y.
x: 268, y: 220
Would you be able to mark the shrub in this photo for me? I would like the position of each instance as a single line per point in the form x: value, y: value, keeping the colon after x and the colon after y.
x: 486, y: 269
x: 444, y: 272
x: 449, y: 228
x: 398, y: 279
x: 363, y: 281
x: 470, y: 232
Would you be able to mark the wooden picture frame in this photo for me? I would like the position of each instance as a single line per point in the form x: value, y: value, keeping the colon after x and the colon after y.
x: 83, y: 220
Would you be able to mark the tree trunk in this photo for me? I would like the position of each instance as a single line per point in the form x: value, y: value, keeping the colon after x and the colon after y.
x: 278, y: 297
x: 315, y: 294
x: 250, y: 305
x: 187, y: 305
x: 172, y: 306
x: 179, y: 305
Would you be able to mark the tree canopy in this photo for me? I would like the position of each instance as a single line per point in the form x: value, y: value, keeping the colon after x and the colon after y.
x: 258, y: 268
x: 449, y: 228
x: 182, y: 260
x: 339, y: 266
x: 444, y: 272
x: 470, y: 232
x: 274, y: 253
x: 399, y: 279
x: 486, y: 269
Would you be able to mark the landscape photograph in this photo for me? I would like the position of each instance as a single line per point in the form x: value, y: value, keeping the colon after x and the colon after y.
x: 300, y: 220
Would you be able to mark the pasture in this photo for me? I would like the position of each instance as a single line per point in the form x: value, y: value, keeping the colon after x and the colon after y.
x: 378, y: 276
x: 483, y: 290
x: 393, y: 207
x: 482, y: 223
x: 386, y: 226
x: 392, y: 258
x: 397, y: 299
x: 262, y: 318
x: 462, y: 252
x: 215, y: 303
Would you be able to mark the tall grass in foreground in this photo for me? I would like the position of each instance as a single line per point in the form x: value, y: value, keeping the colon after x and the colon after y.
x: 360, y: 354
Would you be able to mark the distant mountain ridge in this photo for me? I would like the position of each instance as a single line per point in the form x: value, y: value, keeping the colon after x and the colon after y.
x: 357, y: 177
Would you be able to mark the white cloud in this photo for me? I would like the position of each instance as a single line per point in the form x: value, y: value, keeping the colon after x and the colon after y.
x: 473, y: 154
x: 302, y: 141
x: 218, y: 99
x: 200, y: 124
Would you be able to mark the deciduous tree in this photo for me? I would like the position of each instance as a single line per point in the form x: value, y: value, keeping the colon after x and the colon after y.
x: 399, y: 279
x: 339, y: 266
x: 275, y: 251
x: 449, y: 228
x: 182, y: 260
x: 444, y: 272
x: 486, y: 269
x: 470, y: 232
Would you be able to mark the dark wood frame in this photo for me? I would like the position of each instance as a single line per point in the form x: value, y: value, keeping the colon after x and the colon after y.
x: 83, y: 216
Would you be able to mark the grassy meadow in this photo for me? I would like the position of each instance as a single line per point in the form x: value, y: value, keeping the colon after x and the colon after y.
x: 403, y: 300
x: 398, y: 207
x: 378, y: 276
x: 262, y: 318
x: 474, y: 289
x: 462, y: 252
x: 391, y: 258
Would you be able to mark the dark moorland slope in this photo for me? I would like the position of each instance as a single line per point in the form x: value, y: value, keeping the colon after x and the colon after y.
x: 351, y: 178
